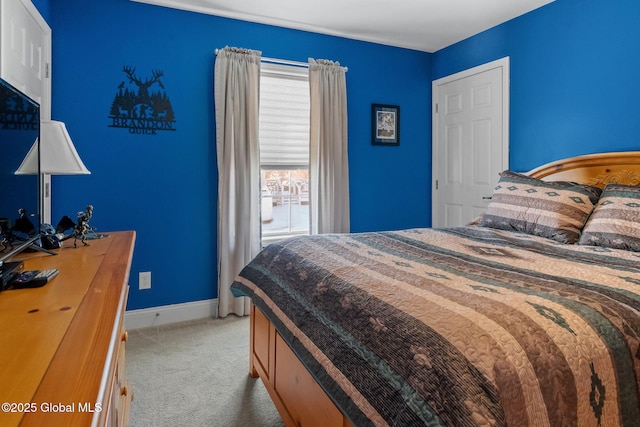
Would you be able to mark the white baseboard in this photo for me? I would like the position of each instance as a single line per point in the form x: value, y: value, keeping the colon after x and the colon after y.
x: 163, y: 315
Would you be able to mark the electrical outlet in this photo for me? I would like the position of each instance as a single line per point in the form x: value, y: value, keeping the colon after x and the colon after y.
x: 144, y: 280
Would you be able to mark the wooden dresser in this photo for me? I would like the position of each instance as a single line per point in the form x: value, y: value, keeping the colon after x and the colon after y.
x: 62, y: 345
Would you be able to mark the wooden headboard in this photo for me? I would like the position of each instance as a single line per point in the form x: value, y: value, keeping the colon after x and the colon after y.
x: 594, y: 169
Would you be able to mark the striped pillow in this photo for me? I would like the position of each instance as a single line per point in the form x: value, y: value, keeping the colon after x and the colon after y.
x: 556, y: 210
x: 615, y: 222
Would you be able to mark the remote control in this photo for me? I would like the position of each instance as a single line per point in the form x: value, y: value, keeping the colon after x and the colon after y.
x: 48, y: 274
x: 33, y: 279
x: 28, y: 279
x: 25, y: 277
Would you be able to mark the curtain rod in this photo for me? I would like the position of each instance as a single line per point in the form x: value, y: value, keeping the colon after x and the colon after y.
x: 278, y: 61
x: 282, y: 61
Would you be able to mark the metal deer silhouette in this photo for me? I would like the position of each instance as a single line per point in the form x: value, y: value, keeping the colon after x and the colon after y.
x: 143, y: 92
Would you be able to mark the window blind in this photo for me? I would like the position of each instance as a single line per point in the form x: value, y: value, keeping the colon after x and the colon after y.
x: 284, y: 116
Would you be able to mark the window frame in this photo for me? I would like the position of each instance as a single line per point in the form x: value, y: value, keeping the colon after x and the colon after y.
x: 288, y: 71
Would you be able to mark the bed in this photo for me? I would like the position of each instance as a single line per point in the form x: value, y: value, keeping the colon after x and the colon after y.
x: 528, y: 317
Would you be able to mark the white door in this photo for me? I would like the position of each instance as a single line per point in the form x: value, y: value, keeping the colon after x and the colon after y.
x: 25, y: 38
x: 470, y: 141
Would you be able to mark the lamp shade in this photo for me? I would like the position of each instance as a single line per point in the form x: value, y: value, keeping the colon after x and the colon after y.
x: 58, y: 155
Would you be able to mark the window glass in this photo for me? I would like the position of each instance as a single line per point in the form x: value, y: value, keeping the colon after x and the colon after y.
x: 284, y: 151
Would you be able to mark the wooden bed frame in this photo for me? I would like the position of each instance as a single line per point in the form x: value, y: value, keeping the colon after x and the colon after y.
x: 593, y: 169
x: 298, y: 397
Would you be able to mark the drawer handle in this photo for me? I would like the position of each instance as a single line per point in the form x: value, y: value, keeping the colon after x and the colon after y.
x: 125, y: 336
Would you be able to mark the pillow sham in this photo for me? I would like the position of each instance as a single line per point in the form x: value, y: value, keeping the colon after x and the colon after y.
x: 615, y: 222
x: 556, y: 210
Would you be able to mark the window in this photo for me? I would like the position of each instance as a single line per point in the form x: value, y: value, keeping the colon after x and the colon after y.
x: 284, y: 151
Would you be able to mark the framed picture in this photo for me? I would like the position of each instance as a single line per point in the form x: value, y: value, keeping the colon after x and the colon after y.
x: 385, y: 121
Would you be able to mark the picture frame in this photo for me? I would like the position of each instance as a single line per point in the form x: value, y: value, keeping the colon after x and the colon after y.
x: 385, y: 124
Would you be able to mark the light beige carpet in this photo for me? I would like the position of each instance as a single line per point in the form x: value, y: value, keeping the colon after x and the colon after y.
x: 196, y: 374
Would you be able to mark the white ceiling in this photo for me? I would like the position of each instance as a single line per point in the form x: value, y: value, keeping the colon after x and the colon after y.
x: 426, y: 25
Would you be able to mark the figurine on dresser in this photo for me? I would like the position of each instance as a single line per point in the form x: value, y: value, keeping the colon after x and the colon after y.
x: 23, y: 225
x: 81, y: 230
x: 20, y: 231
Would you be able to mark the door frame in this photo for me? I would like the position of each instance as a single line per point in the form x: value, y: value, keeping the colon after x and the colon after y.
x: 504, y: 64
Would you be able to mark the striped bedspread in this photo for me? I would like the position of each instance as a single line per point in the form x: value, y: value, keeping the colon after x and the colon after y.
x: 464, y: 326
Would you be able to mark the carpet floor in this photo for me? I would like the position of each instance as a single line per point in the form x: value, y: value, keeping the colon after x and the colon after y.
x: 196, y: 374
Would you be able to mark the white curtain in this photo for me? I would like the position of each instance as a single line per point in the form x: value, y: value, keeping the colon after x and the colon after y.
x: 236, y: 93
x: 328, y: 163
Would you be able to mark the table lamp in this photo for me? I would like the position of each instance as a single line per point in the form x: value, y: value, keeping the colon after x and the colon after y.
x: 56, y: 155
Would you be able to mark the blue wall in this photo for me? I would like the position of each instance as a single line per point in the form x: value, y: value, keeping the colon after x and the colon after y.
x: 573, y: 91
x: 43, y: 7
x: 574, y: 77
x: 165, y: 186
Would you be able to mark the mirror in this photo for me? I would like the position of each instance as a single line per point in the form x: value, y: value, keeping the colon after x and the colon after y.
x: 19, y: 129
